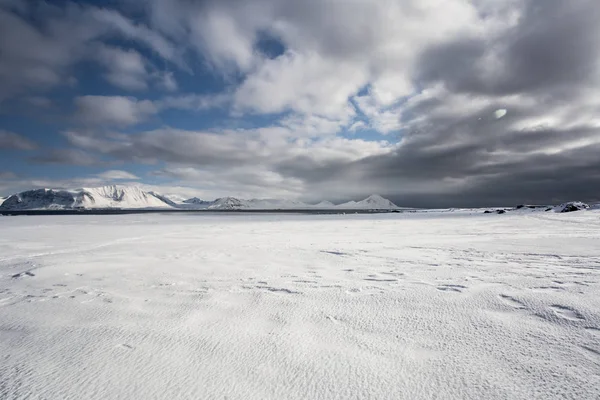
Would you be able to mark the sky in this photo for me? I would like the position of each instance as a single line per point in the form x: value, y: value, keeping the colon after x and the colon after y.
x: 430, y: 103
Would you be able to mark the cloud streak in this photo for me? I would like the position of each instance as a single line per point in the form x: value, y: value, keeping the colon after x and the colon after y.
x: 14, y: 141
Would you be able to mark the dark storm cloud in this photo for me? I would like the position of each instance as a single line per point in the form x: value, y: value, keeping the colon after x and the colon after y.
x: 554, y: 44
x: 542, y: 179
x: 551, y: 58
x: 549, y: 63
x: 471, y: 163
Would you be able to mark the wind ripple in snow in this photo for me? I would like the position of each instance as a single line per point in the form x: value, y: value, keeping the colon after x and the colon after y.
x: 271, y: 306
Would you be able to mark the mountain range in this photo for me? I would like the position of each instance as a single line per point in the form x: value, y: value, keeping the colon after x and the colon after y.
x: 133, y: 197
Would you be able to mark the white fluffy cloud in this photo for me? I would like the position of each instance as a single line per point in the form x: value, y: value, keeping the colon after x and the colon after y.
x: 303, y: 83
x: 113, y: 110
x: 122, y: 111
x: 126, y: 68
x: 167, y: 82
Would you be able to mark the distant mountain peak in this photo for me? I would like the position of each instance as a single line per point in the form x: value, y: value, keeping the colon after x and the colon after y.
x: 196, y: 200
x: 227, y: 203
x: 325, y: 204
x: 373, y: 202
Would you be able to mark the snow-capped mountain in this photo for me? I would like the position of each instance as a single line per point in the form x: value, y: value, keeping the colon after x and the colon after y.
x: 40, y: 199
x: 232, y: 203
x: 121, y: 197
x: 181, y: 202
x: 373, y: 202
x: 228, y: 203
x: 198, y: 202
x: 118, y: 197
x: 133, y: 197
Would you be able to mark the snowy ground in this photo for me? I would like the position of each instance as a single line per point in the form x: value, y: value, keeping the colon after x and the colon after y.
x: 396, y: 306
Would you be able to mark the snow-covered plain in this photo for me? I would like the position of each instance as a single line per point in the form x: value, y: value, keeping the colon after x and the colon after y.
x: 398, y: 306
